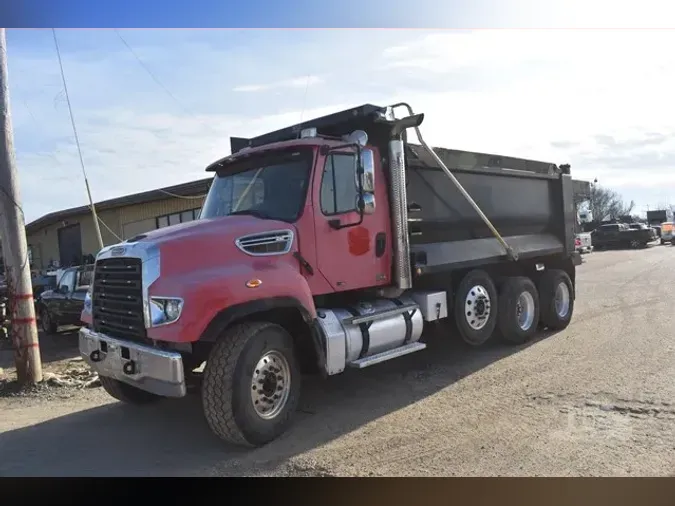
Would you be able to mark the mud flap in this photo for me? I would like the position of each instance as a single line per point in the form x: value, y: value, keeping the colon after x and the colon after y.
x: 576, y: 259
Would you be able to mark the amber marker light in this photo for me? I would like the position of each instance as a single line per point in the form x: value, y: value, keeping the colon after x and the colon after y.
x: 253, y: 283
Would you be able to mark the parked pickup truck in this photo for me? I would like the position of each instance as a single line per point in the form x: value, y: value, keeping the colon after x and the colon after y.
x: 620, y: 235
x: 64, y: 304
x: 642, y: 226
x: 583, y: 242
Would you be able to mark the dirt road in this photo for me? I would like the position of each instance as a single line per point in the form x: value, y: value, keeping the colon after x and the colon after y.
x: 596, y: 399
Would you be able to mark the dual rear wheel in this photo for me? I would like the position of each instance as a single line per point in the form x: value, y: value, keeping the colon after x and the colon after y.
x: 515, y: 309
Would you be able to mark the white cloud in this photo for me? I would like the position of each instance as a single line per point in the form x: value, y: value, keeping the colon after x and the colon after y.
x: 298, y: 82
x: 554, y: 95
x: 600, y: 100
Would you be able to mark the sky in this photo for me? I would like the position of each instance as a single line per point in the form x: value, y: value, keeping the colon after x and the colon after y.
x: 153, y: 107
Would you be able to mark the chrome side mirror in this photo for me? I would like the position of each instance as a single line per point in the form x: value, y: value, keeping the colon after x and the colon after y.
x: 367, y: 163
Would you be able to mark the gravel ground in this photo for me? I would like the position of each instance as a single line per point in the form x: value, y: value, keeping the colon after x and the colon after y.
x: 595, y: 399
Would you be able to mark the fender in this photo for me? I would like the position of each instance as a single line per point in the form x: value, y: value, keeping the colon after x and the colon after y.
x: 211, y: 291
x: 228, y: 315
x: 233, y: 313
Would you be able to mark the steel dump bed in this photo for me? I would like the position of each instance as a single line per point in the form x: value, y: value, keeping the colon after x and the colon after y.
x: 530, y: 204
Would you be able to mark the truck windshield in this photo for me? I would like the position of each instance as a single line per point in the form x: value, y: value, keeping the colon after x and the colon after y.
x: 266, y: 186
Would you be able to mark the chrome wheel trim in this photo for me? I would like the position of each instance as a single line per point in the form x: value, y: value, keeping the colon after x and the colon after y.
x: 562, y: 300
x: 525, y: 309
x: 477, y: 306
x: 270, y: 385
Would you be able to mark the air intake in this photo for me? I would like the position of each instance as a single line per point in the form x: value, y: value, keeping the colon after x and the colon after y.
x: 278, y: 242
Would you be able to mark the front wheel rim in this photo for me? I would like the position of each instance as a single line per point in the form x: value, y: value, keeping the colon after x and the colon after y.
x: 562, y: 300
x: 270, y: 385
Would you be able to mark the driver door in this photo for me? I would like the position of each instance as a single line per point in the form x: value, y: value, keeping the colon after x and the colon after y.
x: 356, y: 255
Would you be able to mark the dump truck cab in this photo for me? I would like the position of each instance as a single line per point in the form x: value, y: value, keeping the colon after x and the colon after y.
x: 310, y: 189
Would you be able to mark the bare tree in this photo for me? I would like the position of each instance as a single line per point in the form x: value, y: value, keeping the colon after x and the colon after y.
x: 608, y: 204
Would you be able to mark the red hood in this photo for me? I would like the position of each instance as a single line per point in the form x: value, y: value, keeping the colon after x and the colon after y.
x: 207, y: 242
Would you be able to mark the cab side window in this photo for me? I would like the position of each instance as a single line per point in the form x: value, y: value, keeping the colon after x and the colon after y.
x: 338, y: 184
x: 67, y: 282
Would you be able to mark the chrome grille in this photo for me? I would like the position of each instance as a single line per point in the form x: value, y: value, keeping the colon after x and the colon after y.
x: 117, y: 298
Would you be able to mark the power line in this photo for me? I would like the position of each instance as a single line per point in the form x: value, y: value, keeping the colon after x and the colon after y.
x: 70, y: 109
x: 110, y: 230
x: 150, y: 72
x: 77, y: 141
x: 159, y: 83
x: 186, y: 197
x: 51, y: 155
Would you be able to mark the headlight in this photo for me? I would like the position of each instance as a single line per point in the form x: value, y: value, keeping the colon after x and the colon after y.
x: 87, y: 299
x: 165, y: 310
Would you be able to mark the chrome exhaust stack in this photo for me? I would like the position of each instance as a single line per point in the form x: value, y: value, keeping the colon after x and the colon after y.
x: 402, y: 276
x: 399, y: 211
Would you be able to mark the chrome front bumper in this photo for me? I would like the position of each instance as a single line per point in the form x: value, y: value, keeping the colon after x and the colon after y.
x: 153, y: 370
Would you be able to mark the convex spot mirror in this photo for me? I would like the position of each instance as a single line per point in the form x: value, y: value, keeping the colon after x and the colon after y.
x: 366, y: 203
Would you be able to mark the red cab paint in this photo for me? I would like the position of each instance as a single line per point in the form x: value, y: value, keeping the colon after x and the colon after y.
x: 201, y: 264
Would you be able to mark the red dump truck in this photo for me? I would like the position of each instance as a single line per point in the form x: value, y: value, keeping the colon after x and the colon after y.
x: 326, y: 245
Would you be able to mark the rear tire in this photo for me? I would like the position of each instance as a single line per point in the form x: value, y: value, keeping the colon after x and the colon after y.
x: 251, y: 384
x: 476, y: 307
x: 126, y: 393
x: 518, y: 315
x: 556, y: 296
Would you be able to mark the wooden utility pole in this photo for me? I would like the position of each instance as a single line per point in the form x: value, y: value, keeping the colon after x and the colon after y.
x: 21, y: 308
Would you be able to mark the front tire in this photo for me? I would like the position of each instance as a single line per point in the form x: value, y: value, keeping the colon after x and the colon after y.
x: 126, y: 393
x: 251, y: 385
x: 476, y: 307
x: 556, y: 296
x: 518, y: 314
x: 47, y: 323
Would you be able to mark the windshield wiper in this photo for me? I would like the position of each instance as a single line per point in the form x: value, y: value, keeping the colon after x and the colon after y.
x: 253, y: 212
